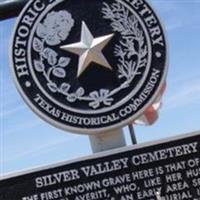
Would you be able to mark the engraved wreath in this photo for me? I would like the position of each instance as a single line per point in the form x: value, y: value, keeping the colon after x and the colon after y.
x: 56, y: 28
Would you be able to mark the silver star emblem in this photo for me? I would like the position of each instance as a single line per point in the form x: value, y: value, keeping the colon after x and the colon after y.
x: 89, y: 49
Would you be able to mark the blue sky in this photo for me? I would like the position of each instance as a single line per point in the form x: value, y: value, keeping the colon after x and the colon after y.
x: 26, y: 141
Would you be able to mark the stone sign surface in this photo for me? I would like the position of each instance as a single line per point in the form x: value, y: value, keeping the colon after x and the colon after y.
x: 170, y: 168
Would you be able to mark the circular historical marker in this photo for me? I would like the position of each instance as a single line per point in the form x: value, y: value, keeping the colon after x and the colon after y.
x: 89, y: 65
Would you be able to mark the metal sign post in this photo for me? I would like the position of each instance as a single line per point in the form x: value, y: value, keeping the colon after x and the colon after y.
x: 111, y: 140
x: 132, y: 134
x: 107, y: 141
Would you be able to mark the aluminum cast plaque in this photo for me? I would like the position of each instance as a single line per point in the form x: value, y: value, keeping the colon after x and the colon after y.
x: 170, y: 168
x: 87, y: 65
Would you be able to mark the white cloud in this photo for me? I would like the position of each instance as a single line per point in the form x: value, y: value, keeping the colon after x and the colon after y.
x: 165, y: 6
x: 12, y: 111
x: 186, y: 94
x: 42, y: 148
x: 174, y: 25
x: 177, y: 13
x: 24, y: 127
